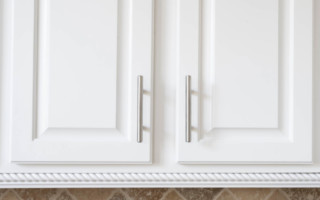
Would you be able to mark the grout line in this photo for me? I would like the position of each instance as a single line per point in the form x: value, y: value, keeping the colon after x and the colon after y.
x: 126, y: 195
x: 119, y: 190
x: 59, y: 192
x: 69, y: 193
x: 113, y: 192
x: 4, y: 194
x: 231, y: 193
x: 14, y: 192
x: 219, y: 194
x: 166, y: 193
x: 270, y: 194
x: 284, y: 193
x: 180, y: 195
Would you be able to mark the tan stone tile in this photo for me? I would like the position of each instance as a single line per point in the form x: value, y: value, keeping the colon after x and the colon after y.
x: 37, y: 194
x: 2, y: 191
x: 64, y: 196
x: 10, y: 196
x: 302, y: 193
x: 198, y: 193
x: 277, y: 196
x: 173, y: 195
x: 225, y: 195
x: 118, y: 196
x: 250, y: 193
x: 96, y: 194
x: 145, y: 193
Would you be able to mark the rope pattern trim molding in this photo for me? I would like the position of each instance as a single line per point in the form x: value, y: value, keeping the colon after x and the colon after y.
x: 156, y: 177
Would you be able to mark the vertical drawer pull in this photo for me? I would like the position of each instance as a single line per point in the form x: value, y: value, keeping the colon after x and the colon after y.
x: 188, y: 109
x: 139, y: 108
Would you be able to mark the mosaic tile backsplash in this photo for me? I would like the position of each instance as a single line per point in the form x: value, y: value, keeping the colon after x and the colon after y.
x: 160, y: 194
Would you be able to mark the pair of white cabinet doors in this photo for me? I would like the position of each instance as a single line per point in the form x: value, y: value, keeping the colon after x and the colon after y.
x: 76, y: 64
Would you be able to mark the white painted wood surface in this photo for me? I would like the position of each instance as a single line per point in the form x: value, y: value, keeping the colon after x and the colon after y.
x: 165, y: 170
x: 75, y: 68
x: 250, y: 64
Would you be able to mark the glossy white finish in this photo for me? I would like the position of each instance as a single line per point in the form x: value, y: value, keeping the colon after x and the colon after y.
x: 75, y: 66
x: 251, y: 68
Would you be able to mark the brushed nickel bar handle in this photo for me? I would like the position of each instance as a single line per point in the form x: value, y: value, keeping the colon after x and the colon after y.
x: 188, y: 108
x: 139, y: 108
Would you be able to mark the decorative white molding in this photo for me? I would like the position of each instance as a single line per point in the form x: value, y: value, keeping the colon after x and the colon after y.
x: 159, y: 179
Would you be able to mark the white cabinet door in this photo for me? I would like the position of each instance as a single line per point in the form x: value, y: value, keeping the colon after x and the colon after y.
x: 250, y: 67
x: 75, y: 69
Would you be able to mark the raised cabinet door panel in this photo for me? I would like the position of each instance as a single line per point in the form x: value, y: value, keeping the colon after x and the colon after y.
x: 75, y: 70
x: 250, y: 68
